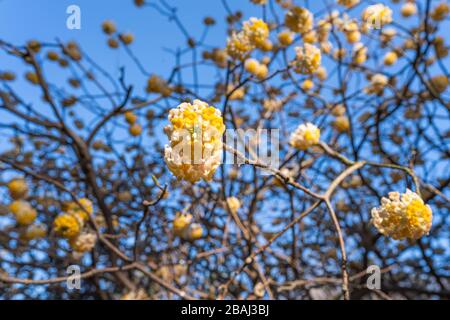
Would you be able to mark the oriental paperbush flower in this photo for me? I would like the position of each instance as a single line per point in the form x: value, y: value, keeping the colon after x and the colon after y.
x: 377, y: 15
x: 23, y: 211
x: 390, y: 58
x: 440, y: 12
x: 35, y: 231
x: 67, y: 225
x: 18, y: 188
x: 257, y: 31
x: 299, y: 19
x: 409, y: 9
x: 402, y: 216
x: 238, y: 46
x: 254, y: 34
x: 359, y: 53
x: 307, y: 60
x: 348, y: 3
x: 181, y: 222
x: 195, y: 135
x: 82, y: 211
x: 261, y: 2
x: 234, y: 204
x: 305, y: 136
x: 256, y: 68
x: 377, y: 84
x: 83, y: 242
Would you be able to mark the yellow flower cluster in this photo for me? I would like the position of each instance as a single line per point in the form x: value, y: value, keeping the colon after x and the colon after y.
x: 35, y: 231
x: 67, y: 225
x: 18, y: 188
x: 256, y: 68
x: 377, y: 15
x: 185, y: 229
x: 359, y: 53
x: 82, y: 212
x: 261, y: 2
x: 305, y: 136
x: 84, y: 242
x: 348, y: 3
x: 195, y: 134
x: 23, y: 212
x: 308, y: 59
x: 70, y: 225
x: 254, y: 34
x: 377, y: 84
x: 299, y: 19
x: 403, y: 216
x: 234, y: 204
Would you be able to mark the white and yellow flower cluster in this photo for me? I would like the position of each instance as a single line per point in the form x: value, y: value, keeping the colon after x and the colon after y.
x: 403, y: 216
x: 254, y: 34
x: 195, y: 134
x: 305, y: 136
x: 308, y: 59
x: 71, y: 225
x: 299, y: 19
x: 377, y: 15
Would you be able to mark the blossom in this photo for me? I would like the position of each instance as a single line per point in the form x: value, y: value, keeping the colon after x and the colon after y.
x: 261, y: 2
x: 341, y: 123
x: 84, y: 211
x: 195, y: 134
x: 234, y: 204
x: 409, y: 9
x: 272, y: 104
x: 256, y: 68
x: 18, y: 188
x: 285, y: 37
x: 305, y: 136
x: 35, y: 231
x: 402, y: 216
x: 67, y: 225
x: 377, y: 84
x: 193, y: 232
x: 238, y: 46
x: 390, y: 58
x: 307, y: 60
x: 84, y: 242
x: 23, y: 211
x: 440, y: 12
x: 299, y: 19
x: 181, y: 223
x: 377, y: 15
x: 359, y: 53
x: 257, y: 31
x: 307, y: 84
x: 348, y: 3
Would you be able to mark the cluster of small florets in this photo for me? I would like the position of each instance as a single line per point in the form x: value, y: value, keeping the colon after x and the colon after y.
x: 71, y: 225
x: 348, y: 3
x: 377, y: 84
x: 234, y: 204
x: 305, y: 136
x: 185, y: 228
x: 377, y: 15
x: 256, y: 68
x: 403, y: 216
x: 254, y: 34
x: 195, y: 135
x: 299, y: 19
x: 308, y: 59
